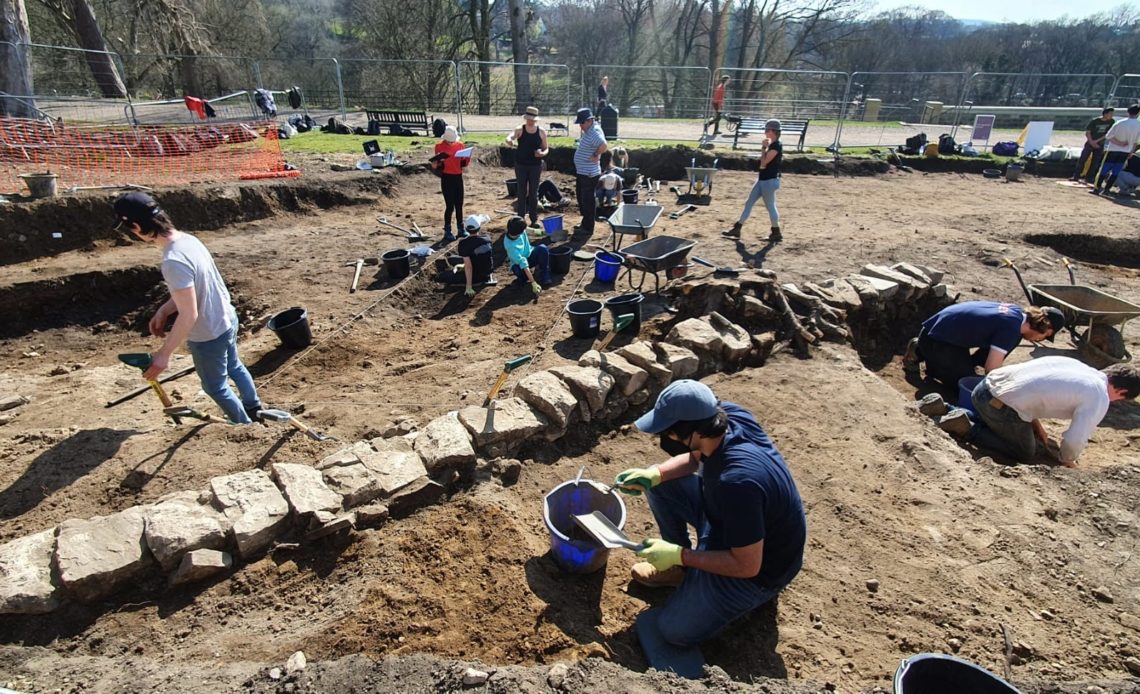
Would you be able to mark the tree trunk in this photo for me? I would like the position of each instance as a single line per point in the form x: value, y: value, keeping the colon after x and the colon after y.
x: 188, y: 72
x: 15, y: 72
x: 521, y: 53
x: 101, y: 63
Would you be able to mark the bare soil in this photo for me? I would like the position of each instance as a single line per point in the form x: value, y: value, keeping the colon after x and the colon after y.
x: 967, y: 552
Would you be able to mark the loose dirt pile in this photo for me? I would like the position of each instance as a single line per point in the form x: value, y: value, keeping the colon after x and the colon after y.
x: 914, y: 544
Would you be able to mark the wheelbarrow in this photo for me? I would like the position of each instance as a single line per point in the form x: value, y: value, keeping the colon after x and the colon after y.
x: 1101, y: 315
x: 651, y: 256
x: 632, y: 219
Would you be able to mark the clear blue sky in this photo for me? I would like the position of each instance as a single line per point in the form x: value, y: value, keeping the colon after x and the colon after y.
x: 1010, y: 10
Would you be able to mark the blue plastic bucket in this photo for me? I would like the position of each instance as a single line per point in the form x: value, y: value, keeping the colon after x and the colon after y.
x: 573, y: 550
x: 606, y: 266
x: 552, y: 224
x: 965, y: 391
x: 933, y: 673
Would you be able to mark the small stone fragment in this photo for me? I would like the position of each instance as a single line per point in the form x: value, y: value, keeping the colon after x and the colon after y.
x: 1133, y: 665
x: 296, y: 663
x: 199, y: 565
x: 473, y: 677
x: 873, y: 585
x: 556, y: 676
x: 12, y: 401
x: 275, y: 673
x: 1101, y: 593
x: 371, y: 515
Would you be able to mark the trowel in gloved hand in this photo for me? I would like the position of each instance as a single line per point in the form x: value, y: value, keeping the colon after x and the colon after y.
x: 288, y: 418
x: 604, y: 532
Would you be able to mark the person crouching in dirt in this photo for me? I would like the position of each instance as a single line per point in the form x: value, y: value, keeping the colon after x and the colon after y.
x: 450, y: 169
x: 531, y: 264
x: 1011, y: 402
x: 206, y: 320
x: 767, y: 183
x: 725, y: 478
x: 960, y: 338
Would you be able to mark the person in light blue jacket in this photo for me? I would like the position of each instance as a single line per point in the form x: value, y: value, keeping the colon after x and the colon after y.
x: 531, y: 264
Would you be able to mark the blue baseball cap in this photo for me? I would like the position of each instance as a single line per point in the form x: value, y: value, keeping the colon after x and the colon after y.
x: 681, y: 401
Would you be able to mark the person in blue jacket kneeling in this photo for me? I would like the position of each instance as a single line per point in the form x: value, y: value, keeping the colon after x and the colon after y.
x: 531, y: 264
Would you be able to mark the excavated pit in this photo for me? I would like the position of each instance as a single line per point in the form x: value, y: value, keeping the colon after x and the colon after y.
x: 1092, y: 248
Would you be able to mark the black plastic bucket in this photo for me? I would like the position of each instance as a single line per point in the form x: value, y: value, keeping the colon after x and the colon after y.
x: 933, y: 673
x: 512, y: 187
x: 560, y: 257
x: 629, y: 196
x: 397, y: 263
x: 585, y: 317
x: 627, y: 303
x: 292, y: 327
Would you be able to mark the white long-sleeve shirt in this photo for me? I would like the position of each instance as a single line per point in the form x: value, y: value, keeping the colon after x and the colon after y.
x: 1055, y: 388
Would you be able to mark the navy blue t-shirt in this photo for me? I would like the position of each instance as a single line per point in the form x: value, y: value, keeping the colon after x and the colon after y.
x: 749, y: 495
x: 978, y: 324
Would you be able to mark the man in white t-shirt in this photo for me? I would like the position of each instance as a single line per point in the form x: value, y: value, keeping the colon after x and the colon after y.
x: 1119, y: 142
x: 206, y: 320
x: 609, y: 187
x: 1012, y: 400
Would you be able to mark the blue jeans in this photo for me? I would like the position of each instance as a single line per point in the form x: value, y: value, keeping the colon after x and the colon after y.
x: 539, y: 262
x: 704, y: 603
x: 1001, y: 429
x: 767, y: 190
x: 218, y: 359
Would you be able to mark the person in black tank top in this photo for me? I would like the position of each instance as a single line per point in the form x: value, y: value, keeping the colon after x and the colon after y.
x: 767, y: 183
x: 531, y: 147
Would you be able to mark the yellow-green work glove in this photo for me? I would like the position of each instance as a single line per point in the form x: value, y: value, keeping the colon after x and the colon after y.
x: 469, y: 292
x: 661, y: 554
x: 536, y: 288
x: 637, y: 480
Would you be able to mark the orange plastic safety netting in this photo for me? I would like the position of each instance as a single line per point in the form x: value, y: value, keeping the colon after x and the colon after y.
x: 152, y: 155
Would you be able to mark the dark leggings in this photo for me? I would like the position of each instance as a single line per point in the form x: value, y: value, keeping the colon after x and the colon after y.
x: 949, y: 363
x: 527, y: 176
x: 452, y: 187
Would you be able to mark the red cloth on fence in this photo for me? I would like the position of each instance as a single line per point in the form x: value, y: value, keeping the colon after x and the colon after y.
x: 196, y: 106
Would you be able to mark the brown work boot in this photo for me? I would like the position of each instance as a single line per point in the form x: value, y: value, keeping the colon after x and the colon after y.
x: 644, y: 573
x: 910, y: 359
x: 733, y: 233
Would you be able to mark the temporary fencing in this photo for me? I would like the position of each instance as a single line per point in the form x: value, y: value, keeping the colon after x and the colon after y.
x: 788, y: 95
x: 317, y: 80
x: 491, y: 101
x: 400, y: 85
x: 1015, y: 98
x: 885, y: 104
x: 1125, y: 91
x: 643, y: 91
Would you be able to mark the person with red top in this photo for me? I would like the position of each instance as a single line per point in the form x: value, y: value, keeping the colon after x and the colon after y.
x: 718, y: 104
x: 450, y: 168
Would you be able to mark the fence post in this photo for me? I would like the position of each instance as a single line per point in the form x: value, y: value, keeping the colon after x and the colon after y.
x: 458, y: 97
x: 1110, y: 100
x: 340, y: 90
x: 961, y: 104
x: 843, y: 111
x: 257, y: 74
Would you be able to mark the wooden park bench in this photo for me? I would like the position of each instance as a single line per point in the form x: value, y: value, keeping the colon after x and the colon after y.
x: 749, y: 126
x: 412, y: 120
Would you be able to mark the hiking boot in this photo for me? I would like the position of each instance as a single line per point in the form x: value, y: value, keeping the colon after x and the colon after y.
x: 775, y: 236
x: 254, y: 414
x: 932, y: 405
x: 448, y: 237
x: 910, y: 359
x: 1095, y: 191
x: 733, y: 233
x: 644, y: 573
x: 957, y: 423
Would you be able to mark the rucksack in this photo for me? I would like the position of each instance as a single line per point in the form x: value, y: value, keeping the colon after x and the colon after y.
x: 294, y: 97
x: 438, y: 126
x: 914, y: 144
x: 1005, y: 149
x: 947, y: 145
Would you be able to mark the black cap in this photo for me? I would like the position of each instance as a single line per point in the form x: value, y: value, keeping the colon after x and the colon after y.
x: 1056, y: 319
x: 135, y: 208
x: 515, y: 226
x: 1107, y: 109
x: 584, y: 114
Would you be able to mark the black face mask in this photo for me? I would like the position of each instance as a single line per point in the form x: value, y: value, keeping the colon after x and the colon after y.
x: 673, y: 447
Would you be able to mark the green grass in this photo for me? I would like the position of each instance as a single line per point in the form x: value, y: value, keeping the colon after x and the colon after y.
x: 315, y: 142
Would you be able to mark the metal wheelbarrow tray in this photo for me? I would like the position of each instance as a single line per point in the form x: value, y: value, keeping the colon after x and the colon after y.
x: 632, y: 219
x: 651, y: 256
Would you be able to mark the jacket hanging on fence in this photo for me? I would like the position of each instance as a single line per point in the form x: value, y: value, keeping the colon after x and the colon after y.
x: 264, y: 100
x: 196, y: 106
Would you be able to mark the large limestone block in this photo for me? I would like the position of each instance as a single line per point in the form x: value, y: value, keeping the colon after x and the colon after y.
x: 627, y: 377
x: 914, y: 272
x: 908, y: 286
x: 98, y: 556
x: 697, y: 335
x: 736, y: 340
x: 872, y: 289
x: 510, y: 421
x: 754, y: 309
x: 547, y: 393
x: 444, y: 444
x: 589, y: 384
x: 837, y: 295
x: 641, y: 354
x: 25, y: 575
x: 305, y: 489
x: 355, y: 483
x: 395, y: 464
x: 254, y: 504
x: 681, y: 362
x: 200, y: 565
x: 180, y: 524
x: 349, y: 455
x: 422, y: 492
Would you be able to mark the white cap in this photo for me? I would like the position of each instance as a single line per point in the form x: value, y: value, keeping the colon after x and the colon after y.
x: 450, y: 134
x: 472, y: 222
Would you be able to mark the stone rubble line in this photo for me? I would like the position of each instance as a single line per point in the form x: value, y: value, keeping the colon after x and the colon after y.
x: 192, y: 536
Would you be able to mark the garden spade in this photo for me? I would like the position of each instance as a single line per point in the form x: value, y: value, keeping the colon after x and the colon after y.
x: 142, y: 361
x: 604, y: 532
x: 620, y: 323
x: 288, y: 418
x: 508, y: 367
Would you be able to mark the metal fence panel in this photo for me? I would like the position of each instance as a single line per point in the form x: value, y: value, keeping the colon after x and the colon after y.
x: 162, y: 77
x: 490, y: 102
x: 400, y: 85
x: 895, y: 105
x: 1125, y: 91
x: 1016, y: 98
x: 650, y: 91
x: 317, y: 79
x: 789, y: 95
x: 75, y: 72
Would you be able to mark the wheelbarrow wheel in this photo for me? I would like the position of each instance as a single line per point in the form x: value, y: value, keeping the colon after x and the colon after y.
x: 1101, y: 346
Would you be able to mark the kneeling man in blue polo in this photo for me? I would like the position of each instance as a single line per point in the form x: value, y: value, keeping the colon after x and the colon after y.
x: 727, y: 480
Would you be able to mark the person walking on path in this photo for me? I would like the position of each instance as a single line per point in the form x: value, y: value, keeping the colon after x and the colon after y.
x: 1094, y: 145
x: 1011, y: 402
x: 1120, y: 142
x: 206, y: 320
x: 531, y: 147
x: 958, y: 339
x: 450, y: 168
x: 718, y: 104
x: 725, y: 478
x: 531, y: 264
x: 587, y: 158
x: 767, y: 183
x: 603, y: 93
